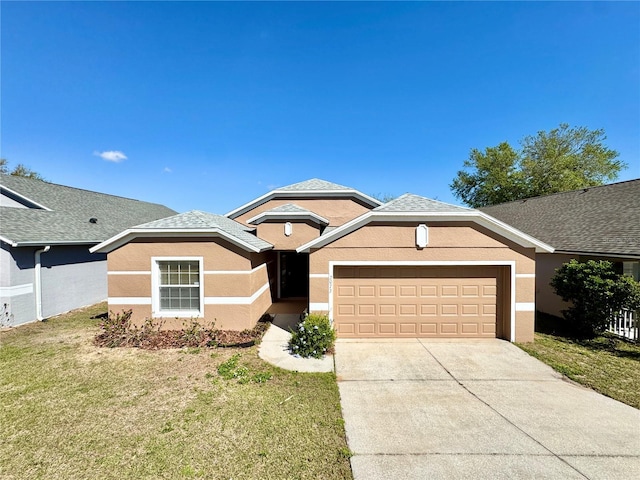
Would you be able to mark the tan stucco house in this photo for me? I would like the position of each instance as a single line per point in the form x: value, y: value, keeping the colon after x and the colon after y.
x: 412, y: 267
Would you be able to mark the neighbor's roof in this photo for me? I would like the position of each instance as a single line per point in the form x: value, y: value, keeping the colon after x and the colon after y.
x: 414, y: 208
x: 313, y: 188
x: 190, y: 224
x: 60, y: 215
x: 603, y: 220
x: 288, y: 211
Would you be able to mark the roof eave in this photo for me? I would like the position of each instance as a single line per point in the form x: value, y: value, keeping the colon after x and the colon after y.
x: 126, y: 236
x: 633, y: 256
x: 25, y: 198
x: 264, y: 216
x: 40, y: 243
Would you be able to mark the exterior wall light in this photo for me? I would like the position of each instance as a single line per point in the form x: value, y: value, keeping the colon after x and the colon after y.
x: 422, y: 235
x: 288, y: 229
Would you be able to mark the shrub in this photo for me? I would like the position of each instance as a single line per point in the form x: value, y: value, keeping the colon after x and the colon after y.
x: 313, y: 337
x: 596, y: 291
x: 116, y: 329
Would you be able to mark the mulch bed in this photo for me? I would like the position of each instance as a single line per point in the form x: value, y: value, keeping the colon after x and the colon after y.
x: 162, y: 339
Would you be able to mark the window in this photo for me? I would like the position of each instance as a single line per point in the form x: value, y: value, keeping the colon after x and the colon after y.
x: 178, y: 287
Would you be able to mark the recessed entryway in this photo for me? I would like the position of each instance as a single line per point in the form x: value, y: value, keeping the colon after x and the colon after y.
x: 293, y: 275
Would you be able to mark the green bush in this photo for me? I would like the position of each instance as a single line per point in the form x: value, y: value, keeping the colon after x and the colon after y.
x: 596, y: 291
x: 313, y: 337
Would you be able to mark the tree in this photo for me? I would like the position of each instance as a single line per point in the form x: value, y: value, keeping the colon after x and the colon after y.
x: 596, y: 292
x: 19, y: 171
x: 565, y: 158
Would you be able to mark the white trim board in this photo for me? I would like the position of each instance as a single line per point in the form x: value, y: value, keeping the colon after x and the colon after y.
x: 16, y: 290
x: 235, y: 272
x: 129, y: 300
x: 236, y: 300
x: 128, y: 272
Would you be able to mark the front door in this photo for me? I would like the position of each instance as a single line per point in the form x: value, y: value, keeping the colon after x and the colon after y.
x: 294, y: 274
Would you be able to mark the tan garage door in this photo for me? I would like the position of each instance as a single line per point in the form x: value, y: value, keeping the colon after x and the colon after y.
x: 415, y: 301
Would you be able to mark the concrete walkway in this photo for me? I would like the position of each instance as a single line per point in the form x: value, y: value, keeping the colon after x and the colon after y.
x: 274, y: 348
x: 416, y: 409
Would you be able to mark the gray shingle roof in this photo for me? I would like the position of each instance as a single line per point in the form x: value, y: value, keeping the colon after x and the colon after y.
x: 195, y: 219
x: 314, y: 188
x: 602, y: 220
x: 314, y: 184
x: 410, y: 202
x: 289, y: 208
x: 70, y: 211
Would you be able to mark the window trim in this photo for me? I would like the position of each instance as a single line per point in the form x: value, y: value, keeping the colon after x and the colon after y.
x: 155, y: 288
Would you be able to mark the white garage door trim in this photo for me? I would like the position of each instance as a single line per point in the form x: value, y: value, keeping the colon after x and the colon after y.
x: 428, y: 263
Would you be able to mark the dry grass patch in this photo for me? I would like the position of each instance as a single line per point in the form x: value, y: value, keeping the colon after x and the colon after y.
x: 606, y: 364
x: 74, y: 410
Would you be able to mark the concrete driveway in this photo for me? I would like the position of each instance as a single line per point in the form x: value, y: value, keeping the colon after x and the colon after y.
x: 417, y: 409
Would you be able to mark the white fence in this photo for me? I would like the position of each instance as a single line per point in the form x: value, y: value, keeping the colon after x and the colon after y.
x: 625, y: 324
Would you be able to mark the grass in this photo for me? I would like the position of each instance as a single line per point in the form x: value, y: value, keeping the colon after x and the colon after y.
x: 608, y: 365
x: 70, y: 410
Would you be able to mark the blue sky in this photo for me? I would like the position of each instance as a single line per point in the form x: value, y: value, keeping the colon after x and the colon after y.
x: 213, y: 104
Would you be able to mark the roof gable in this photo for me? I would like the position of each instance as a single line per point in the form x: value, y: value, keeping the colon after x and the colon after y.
x: 288, y: 211
x: 602, y: 220
x: 194, y: 223
x: 313, y: 188
x: 414, y: 208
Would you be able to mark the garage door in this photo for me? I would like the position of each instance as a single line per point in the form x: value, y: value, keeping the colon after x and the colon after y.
x: 415, y: 301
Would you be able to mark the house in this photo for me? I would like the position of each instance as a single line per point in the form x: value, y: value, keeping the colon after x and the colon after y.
x: 45, y: 233
x: 413, y: 267
x: 595, y: 223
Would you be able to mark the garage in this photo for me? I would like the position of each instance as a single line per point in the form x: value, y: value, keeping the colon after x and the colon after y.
x: 417, y: 301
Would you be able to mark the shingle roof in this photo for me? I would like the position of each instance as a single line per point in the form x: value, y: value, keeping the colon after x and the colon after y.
x: 67, y: 220
x: 288, y: 211
x: 602, y: 220
x: 314, y: 184
x: 289, y: 208
x: 313, y: 188
x: 196, y: 219
x: 410, y: 202
x: 193, y: 221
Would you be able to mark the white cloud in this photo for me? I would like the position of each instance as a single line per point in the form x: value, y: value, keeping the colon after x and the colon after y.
x: 167, y: 170
x: 115, y: 156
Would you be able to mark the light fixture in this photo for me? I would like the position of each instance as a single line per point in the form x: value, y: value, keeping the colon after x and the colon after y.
x: 422, y: 235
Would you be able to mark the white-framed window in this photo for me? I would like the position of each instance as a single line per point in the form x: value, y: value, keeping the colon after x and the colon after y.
x: 177, y: 289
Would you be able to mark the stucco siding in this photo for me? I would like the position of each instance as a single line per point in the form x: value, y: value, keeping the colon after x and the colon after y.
x: 273, y: 232
x: 235, y: 283
x: 337, y: 210
x: 71, y: 277
x: 547, y: 300
x: 220, y: 255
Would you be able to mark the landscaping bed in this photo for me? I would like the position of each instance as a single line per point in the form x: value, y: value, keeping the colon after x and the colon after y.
x: 71, y: 409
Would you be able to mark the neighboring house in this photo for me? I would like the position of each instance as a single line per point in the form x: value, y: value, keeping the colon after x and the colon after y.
x: 600, y: 223
x: 413, y: 267
x: 46, y: 231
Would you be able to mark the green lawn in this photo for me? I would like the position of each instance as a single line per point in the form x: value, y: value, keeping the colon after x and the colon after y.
x: 606, y: 364
x: 73, y: 410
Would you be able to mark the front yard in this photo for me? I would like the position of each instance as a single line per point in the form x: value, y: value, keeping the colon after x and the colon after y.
x: 606, y: 364
x: 73, y: 410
